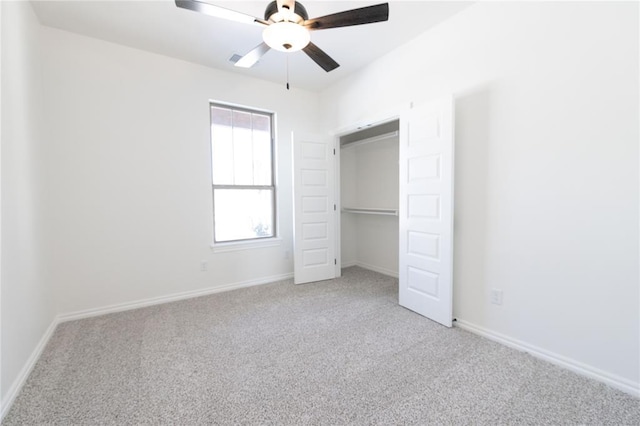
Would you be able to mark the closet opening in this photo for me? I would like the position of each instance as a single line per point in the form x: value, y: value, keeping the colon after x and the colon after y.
x: 381, y: 197
x: 368, y: 184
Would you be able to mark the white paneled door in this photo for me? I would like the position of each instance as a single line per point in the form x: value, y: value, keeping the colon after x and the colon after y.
x: 314, y: 216
x: 426, y: 210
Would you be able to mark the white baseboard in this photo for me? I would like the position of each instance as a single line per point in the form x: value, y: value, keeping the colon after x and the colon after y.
x: 612, y: 380
x: 15, y: 388
x: 17, y: 385
x: 169, y: 298
x: 374, y: 268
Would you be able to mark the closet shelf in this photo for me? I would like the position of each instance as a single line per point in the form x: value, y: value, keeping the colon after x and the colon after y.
x: 382, y: 212
x: 378, y: 138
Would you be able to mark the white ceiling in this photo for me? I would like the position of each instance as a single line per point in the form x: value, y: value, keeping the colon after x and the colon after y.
x: 159, y: 26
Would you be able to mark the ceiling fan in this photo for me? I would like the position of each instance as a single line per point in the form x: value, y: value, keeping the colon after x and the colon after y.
x: 287, y: 27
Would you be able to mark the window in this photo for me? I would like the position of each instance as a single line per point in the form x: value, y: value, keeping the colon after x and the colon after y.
x: 242, y: 174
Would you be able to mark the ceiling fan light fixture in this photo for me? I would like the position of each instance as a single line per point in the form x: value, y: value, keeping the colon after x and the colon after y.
x: 288, y: 27
x: 286, y: 36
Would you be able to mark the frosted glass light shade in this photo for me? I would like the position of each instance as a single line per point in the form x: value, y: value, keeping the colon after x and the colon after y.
x: 286, y: 36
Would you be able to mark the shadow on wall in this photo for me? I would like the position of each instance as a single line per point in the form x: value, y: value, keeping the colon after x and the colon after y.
x: 471, y: 233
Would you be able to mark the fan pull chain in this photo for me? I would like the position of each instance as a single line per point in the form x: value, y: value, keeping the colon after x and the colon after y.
x: 287, y: 72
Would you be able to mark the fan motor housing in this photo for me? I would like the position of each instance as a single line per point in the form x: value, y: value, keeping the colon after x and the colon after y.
x: 272, y: 8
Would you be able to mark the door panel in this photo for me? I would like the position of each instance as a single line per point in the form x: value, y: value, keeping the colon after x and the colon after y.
x: 426, y: 210
x: 314, y: 215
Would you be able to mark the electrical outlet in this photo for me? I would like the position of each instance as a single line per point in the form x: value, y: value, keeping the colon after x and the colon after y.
x: 203, y: 265
x: 496, y: 296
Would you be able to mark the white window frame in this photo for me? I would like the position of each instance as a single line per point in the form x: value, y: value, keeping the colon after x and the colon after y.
x: 248, y: 243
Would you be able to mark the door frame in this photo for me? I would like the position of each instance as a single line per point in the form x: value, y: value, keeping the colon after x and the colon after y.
x: 390, y: 115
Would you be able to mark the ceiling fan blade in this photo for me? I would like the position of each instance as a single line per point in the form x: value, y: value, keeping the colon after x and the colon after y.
x: 319, y: 57
x: 218, y: 12
x: 363, y: 15
x: 249, y: 60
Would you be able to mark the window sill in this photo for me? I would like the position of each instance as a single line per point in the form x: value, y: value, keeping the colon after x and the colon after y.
x: 246, y: 245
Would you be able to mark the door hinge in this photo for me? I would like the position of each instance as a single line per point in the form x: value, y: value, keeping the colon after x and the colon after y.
x: 335, y: 261
x: 334, y: 208
x: 334, y: 151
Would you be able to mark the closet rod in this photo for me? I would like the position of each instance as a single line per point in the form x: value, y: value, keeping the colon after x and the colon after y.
x: 371, y: 139
x: 384, y: 212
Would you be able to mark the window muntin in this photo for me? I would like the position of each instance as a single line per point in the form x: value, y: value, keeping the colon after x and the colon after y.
x: 242, y: 174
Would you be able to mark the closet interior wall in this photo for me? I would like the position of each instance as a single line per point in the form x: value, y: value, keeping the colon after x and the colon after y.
x: 369, y: 195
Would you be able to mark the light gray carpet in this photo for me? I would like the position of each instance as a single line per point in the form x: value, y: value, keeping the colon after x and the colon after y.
x: 334, y: 352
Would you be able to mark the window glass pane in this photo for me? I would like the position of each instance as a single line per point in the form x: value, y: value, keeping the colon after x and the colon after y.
x: 261, y: 122
x: 222, y: 155
x: 242, y: 148
x: 243, y: 214
x: 261, y: 150
x: 221, y: 146
x: 220, y: 116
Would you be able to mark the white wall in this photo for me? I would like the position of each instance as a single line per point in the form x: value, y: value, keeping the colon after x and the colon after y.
x: 546, y: 169
x: 27, y: 308
x: 128, y: 172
